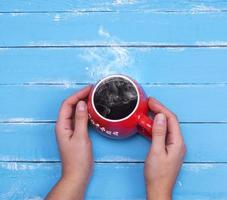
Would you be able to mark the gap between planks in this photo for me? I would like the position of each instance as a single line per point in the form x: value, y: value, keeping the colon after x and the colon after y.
x: 52, y: 83
x: 118, y: 45
x: 108, y: 10
x: 54, y: 121
x: 100, y: 162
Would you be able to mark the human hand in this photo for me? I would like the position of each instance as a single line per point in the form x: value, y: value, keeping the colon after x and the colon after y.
x: 75, y: 148
x: 166, y: 154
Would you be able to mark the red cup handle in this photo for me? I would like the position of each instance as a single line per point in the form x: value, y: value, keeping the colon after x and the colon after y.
x: 145, y: 124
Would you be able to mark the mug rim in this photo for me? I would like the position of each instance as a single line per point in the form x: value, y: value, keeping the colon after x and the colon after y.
x: 112, y: 76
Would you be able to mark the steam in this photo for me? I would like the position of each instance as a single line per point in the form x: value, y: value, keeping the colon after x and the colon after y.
x: 113, y: 59
x: 115, y: 98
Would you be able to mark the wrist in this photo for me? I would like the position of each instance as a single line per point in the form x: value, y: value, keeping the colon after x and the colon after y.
x: 68, y: 187
x: 74, y: 182
x: 158, y: 193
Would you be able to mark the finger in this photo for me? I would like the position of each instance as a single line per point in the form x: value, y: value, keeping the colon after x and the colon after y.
x: 66, y: 111
x: 157, y: 107
x: 159, y: 133
x: 174, y: 133
x: 64, y: 123
x: 81, y: 120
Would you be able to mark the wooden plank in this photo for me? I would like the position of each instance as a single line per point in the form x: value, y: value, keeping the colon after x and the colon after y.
x: 94, y: 5
x: 205, y: 143
x: 83, y: 65
x: 191, y: 103
x: 113, y: 28
x: 111, y: 181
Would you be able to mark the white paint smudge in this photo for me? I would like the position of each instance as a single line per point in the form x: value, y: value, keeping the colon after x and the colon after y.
x: 102, y: 32
x: 57, y: 18
x: 124, y: 2
x: 103, y: 7
x: 198, y: 167
x: 13, y: 190
x: 110, y: 41
x: 117, y: 158
x: 17, y: 14
x: 67, y: 84
x: 79, y: 13
x: 175, y: 49
x: 126, y: 166
x: 187, y: 85
x: 16, y: 120
x: 203, y: 8
x: 60, y: 83
x: 179, y: 183
x: 18, y: 166
x: 211, y: 43
x: 66, y: 16
x: 55, y: 83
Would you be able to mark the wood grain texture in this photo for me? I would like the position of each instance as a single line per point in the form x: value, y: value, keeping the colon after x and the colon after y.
x: 113, y: 28
x: 51, y: 49
x: 83, y: 65
x: 111, y: 181
x: 36, y: 142
x: 108, y: 5
x: 190, y: 103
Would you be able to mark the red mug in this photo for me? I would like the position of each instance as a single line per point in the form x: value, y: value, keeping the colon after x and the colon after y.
x: 118, y: 108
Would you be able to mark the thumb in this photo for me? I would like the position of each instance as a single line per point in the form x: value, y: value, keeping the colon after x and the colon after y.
x: 81, y: 120
x: 159, y: 132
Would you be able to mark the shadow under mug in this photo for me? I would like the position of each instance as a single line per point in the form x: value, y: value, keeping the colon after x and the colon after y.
x: 118, y: 107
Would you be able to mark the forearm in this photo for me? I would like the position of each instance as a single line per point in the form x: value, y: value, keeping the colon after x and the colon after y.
x: 67, y: 190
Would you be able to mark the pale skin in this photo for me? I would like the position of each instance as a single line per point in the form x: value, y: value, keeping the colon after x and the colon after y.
x: 161, y: 167
x: 75, y: 149
x: 166, y: 154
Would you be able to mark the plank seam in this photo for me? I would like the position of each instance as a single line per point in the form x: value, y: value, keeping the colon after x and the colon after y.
x: 101, y: 162
x: 97, y: 10
x: 119, y: 45
x: 71, y: 84
x: 54, y: 121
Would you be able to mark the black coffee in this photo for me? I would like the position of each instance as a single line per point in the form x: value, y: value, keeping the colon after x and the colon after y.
x: 115, y: 98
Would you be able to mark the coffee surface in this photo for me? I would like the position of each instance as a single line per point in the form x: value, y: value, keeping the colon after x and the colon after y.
x: 115, y: 98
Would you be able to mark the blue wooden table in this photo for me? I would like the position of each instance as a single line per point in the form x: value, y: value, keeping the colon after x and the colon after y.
x: 177, y: 50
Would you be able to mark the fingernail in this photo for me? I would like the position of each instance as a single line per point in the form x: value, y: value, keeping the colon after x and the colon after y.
x: 160, y: 119
x: 81, y: 106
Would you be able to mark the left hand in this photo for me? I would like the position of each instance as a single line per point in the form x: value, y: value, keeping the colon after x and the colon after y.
x: 75, y: 148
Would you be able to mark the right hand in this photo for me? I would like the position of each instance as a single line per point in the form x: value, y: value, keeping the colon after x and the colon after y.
x: 166, y: 154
